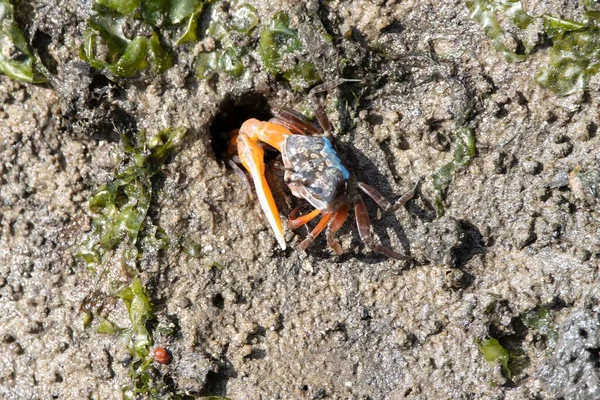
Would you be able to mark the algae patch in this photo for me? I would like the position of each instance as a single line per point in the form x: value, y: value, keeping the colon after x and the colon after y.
x: 119, y: 207
x: 227, y: 57
x: 121, y: 233
x: 139, y: 340
x: 541, y: 321
x: 277, y: 45
x: 494, y: 353
x: 128, y: 37
x: 17, y: 61
x: 107, y: 47
x: 485, y: 12
x: 465, y: 149
x: 575, y: 52
x: 125, y: 38
x: 574, y: 56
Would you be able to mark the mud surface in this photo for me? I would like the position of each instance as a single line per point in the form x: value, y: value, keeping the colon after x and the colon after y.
x: 518, y: 238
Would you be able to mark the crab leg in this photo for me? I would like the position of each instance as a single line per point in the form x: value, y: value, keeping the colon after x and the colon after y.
x: 383, y: 202
x: 294, y: 223
x: 240, y: 173
x: 319, y: 110
x: 364, y: 230
x: 252, y: 157
x: 315, y: 232
x: 336, y: 223
x: 295, y: 122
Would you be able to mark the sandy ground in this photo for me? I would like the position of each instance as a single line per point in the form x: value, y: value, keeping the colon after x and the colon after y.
x: 516, y: 238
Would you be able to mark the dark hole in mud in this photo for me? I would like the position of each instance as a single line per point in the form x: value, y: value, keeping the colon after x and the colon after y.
x: 8, y: 338
x: 170, y: 382
x: 101, y: 88
x: 592, y: 128
x: 98, y: 86
x: 552, y: 117
x: 521, y: 99
x: 218, y: 301
x: 216, y: 381
x: 572, y: 358
x: 521, y: 49
x: 577, y: 377
x: 583, y: 333
x: 439, y: 140
x: 557, y: 303
x: 41, y: 42
x: 471, y: 243
x: 366, y: 315
x: 595, y: 357
x: 232, y: 114
x: 375, y: 119
x: 256, y: 354
x: 394, y: 27
x: 502, y: 111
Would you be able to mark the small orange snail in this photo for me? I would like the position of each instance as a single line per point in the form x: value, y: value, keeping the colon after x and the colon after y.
x: 162, y: 355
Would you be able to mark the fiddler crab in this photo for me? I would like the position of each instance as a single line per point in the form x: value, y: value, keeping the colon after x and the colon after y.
x: 313, y: 171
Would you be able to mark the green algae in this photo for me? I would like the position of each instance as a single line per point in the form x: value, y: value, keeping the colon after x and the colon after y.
x: 575, y: 52
x: 17, y: 61
x: 277, y: 43
x: 574, y: 56
x: 227, y: 57
x: 106, y: 47
x: 119, y: 211
x: 120, y: 207
x: 486, y: 12
x: 494, y: 353
x: 465, y: 149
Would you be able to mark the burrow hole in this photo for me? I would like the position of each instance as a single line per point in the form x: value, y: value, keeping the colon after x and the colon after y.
x: 218, y: 301
x: 232, y: 114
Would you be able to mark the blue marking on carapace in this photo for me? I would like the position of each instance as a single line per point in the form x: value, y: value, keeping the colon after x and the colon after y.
x: 332, y: 155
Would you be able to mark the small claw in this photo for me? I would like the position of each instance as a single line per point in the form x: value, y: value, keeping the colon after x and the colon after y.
x: 252, y: 157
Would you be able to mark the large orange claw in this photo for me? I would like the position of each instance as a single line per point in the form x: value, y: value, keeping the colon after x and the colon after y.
x: 252, y: 156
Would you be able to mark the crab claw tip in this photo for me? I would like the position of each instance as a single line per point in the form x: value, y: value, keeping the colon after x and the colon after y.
x: 282, y: 244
